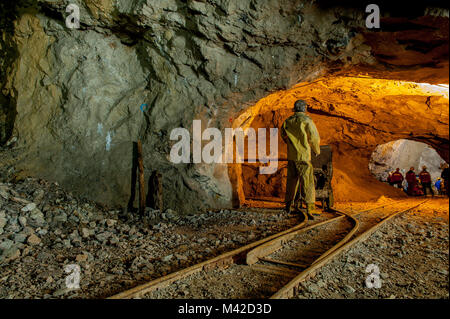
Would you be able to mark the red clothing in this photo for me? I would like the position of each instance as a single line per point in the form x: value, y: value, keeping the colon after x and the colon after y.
x: 425, y: 177
x: 412, y: 183
x: 416, y: 191
x: 396, y: 177
x: 411, y: 177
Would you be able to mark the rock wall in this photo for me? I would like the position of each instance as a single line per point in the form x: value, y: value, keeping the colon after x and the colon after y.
x: 72, y: 98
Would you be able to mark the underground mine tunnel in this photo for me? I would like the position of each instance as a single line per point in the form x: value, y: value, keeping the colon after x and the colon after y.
x: 146, y: 149
x: 365, y: 120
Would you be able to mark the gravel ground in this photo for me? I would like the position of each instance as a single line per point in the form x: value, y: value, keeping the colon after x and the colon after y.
x: 44, y: 229
x: 411, y: 253
x: 241, y: 281
x: 222, y: 284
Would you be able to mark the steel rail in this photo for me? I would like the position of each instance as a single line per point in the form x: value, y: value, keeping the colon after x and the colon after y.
x: 289, y: 289
x: 347, y: 237
x: 221, y: 260
x: 343, y: 240
x: 350, y: 234
x: 271, y: 246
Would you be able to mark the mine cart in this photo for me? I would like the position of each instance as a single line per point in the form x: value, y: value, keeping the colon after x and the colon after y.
x: 323, y: 173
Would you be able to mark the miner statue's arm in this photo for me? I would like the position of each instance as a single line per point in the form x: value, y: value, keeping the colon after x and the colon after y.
x: 313, y: 137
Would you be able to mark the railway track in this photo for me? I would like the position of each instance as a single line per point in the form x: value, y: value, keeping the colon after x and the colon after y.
x: 273, y: 267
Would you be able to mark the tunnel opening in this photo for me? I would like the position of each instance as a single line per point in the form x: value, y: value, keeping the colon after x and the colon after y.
x: 404, y: 154
x: 353, y: 114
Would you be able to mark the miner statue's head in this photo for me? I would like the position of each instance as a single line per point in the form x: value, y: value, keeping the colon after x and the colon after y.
x: 300, y: 106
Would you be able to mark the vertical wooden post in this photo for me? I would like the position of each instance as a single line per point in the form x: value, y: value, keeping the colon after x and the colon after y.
x: 155, y: 193
x: 141, y: 179
x: 159, y: 193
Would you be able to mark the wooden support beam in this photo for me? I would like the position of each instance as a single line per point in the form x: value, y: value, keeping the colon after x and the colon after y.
x: 141, y: 178
x: 274, y: 261
x: 155, y: 192
x: 280, y: 271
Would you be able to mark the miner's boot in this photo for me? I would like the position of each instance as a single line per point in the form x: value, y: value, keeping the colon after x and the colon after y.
x: 299, y: 205
x: 311, y: 209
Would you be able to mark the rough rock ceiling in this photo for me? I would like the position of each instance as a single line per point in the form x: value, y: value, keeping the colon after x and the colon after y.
x: 411, y: 50
x: 354, y: 115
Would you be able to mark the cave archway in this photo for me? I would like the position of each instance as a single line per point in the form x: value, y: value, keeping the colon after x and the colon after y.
x: 404, y: 154
x: 353, y: 115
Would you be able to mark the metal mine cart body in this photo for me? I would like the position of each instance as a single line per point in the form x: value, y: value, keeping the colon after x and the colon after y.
x: 323, y: 174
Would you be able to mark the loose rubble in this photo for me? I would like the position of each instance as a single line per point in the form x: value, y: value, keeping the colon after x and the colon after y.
x: 43, y: 229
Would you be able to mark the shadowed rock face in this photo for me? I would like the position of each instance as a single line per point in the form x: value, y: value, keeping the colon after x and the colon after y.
x: 77, y: 93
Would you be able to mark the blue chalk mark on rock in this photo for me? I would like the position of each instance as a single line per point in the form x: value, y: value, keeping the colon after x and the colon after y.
x: 143, y: 107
